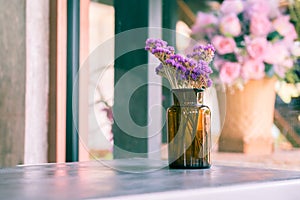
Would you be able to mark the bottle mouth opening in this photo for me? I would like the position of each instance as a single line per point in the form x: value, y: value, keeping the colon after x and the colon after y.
x: 188, y: 89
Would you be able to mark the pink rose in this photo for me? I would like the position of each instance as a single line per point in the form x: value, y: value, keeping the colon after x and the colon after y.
x: 253, y: 69
x: 230, y: 25
x: 229, y: 72
x: 268, y: 8
x: 276, y: 53
x: 256, y: 48
x: 229, y: 6
x: 223, y: 45
x: 285, y: 28
x: 204, y: 23
x: 258, y: 6
x: 260, y: 25
x: 280, y: 70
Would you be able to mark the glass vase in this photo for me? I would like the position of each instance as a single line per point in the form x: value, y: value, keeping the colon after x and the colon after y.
x: 189, y: 137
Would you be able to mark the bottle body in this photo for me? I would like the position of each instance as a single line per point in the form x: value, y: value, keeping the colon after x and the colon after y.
x: 189, y: 137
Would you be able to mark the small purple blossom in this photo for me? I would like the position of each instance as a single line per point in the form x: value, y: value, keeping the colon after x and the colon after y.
x: 180, y: 68
x: 190, y: 63
x: 154, y: 43
x: 204, y: 67
x: 210, y: 47
x: 181, y: 63
x: 177, y: 57
x: 202, y: 52
x: 194, y: 76
x: 171, y: 49
x: 161, y: 50
x: 178, y: 62
x: 209, y: 82
x: 199, y: 48
x: 171, y: 62
x: 209, y: 53
x: 196, y: 73
x: 188, y: 72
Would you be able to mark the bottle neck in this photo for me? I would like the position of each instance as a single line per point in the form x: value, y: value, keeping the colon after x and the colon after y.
x: 185, y: 97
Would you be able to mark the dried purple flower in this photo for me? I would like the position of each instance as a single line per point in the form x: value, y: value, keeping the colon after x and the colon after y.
x: 204, y: 67
x: 154, y: 43
x: 201, y: 52
x: 199, y: 48
x: 159, y: 48
x: 183, y: 72
x: 209, y: 53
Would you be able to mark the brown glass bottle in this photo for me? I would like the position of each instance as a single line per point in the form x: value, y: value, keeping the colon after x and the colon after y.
x: 189, y: 137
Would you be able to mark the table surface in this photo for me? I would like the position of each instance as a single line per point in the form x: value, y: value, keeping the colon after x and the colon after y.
x: 144, y: 179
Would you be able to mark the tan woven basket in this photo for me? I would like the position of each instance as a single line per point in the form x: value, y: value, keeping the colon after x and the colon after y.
x: 249, y: 118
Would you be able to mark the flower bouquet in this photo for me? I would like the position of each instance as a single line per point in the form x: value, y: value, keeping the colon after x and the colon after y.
x: 191, y: 71
x: 188, y: 120
x: 254, y: 42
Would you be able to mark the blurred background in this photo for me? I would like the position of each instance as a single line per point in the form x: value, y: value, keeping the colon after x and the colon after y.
x: 38, y: 42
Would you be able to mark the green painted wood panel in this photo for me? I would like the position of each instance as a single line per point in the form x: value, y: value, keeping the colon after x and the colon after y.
x: 73, y: 40
x: 129, y: 15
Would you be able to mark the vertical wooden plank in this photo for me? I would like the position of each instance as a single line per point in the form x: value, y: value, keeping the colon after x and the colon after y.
x: 12, y: 82
x: 84, y: 81
x: 52, y: 81
x: 73, y: 57
x: 61, y: 33
x: 37, y: 81
x: 61, y: 74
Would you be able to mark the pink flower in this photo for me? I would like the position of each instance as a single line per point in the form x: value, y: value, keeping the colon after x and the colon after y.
x: 218, y: 63
x: 256, y: 48
x: 258, y: 6
x: 204, y: 23
x: 253, y: 69
x: 229, y: 6
x: 280, y: 71
x: 268, y: 8
x: 276, y: 53
x: 223, y: 45
x: 260, y: 25
x: 285, y: 28
x: 230, y: 25
x: 274, y: 9
x: 229, y: 72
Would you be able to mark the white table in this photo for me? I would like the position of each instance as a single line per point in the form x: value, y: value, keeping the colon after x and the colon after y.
x: 151, y: 180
